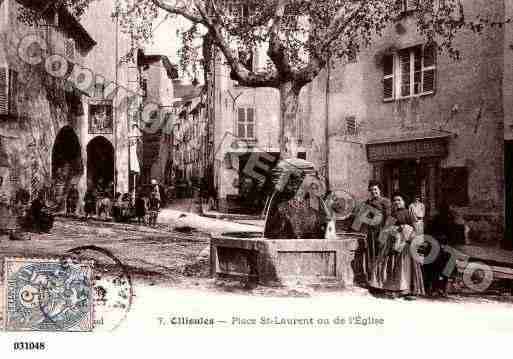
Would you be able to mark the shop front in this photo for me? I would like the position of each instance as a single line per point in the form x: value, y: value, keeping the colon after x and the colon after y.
x: 410, y: 165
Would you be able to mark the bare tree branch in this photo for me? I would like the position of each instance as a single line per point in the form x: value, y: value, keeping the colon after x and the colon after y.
x: 178, y: 11
x: 277, y: 52
x: 339, y: 24
x: 238, y: 71
x: 318, y: 59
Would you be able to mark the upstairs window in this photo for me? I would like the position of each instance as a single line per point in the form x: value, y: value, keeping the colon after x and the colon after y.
x: 99, y: 89
x: 409, y: 72
x: 246, y: 123
x: 352, y: 126
x: 408, y: 5
x: 8, y: 91
x: 236, y: 9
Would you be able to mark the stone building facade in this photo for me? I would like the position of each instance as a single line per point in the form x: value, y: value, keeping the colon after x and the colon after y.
x: 157, y: 74
x: 421, y: 122
x: 245, y: 120
x: 35, y: 107
x: 117, y: 88
x: 64, y: 96
x: 190, y: 134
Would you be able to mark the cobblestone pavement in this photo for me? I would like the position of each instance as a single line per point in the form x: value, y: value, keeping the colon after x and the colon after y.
x: 152, y: 254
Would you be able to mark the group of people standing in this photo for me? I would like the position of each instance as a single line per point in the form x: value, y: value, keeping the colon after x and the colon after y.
x: 121, y: 206
x: 390, y: 265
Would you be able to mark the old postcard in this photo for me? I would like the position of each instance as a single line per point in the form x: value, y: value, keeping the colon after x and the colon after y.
x: 242, y: 177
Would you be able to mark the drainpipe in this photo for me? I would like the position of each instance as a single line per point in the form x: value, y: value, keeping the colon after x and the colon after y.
x: 326, y: 127
x: 114, y: 112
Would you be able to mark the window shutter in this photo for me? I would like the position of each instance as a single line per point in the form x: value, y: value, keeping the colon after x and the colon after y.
x: 240, y: 122
x: 405, y: 66
x: 388, y: 77
x: 417, y: 70
x: 429, y: 68
x: 4, y: 103
x: 429, y: 80
x: 351, y: 126
x: 13, y: 92
x: 250, y: 123
x: 409, y: 5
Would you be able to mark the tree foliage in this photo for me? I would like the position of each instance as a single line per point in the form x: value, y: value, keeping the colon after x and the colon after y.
x: 299, y: 35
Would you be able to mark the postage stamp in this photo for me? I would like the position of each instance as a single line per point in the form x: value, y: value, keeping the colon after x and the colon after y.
x: 48, y: 295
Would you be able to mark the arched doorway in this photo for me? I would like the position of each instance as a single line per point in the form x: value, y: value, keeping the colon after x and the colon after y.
x: 67, y: 164
x: 100, y: 163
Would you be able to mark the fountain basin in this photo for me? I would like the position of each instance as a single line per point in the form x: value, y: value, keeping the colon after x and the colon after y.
x: 277, y: 262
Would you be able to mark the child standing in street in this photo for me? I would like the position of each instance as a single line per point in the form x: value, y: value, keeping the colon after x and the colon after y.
x: 153, y: 207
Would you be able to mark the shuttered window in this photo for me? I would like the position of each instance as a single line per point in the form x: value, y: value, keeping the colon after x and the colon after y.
x: 414, y: 74
x: 388, y: 77
x: 246, y: 123
x: 429, y: 69
x: 8, y: 91
x: 351, y: 126
x: 13, y: 92
x: 408, y: 5
x: 4, y: 99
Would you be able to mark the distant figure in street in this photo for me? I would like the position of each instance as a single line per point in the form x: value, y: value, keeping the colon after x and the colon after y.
x: 140, y: 207
x: 72, y: 200
x: 156, y: 188
x: 213, y: 200
x: 103, y: 206
x: 7, y: 214
x: 153, y: 207
x: 110, y: 190
x: 89, y: 203
x: 116, y: 211
x: 40, y: 222
x: 418, y: 209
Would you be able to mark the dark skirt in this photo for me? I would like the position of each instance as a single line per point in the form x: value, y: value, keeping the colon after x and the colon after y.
x: 90, y: 207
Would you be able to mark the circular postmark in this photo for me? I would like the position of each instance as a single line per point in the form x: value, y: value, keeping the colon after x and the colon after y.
x: 112, y: 286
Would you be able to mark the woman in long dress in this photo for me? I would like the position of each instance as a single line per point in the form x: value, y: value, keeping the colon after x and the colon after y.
x: 396, y: 272
x: 374, y: 214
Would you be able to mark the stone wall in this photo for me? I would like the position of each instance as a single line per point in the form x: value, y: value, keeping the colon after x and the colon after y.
x: 42, y: 111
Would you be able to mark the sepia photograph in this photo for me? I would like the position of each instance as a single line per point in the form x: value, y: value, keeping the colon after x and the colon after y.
x: 211, y: 173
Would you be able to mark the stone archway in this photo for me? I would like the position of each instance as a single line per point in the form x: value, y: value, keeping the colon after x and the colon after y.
x: 100, y: 162
x: 67, y: 164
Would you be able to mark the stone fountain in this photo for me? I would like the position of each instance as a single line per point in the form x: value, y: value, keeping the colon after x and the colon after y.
x: 294, y: 247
